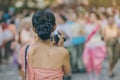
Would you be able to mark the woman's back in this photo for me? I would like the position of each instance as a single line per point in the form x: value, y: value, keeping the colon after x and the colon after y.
x: 45, y: 62
x: 48, y: 55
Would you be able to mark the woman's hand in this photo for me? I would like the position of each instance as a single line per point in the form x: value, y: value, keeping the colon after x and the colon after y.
x: 61, y: 38
x: 60, y: 41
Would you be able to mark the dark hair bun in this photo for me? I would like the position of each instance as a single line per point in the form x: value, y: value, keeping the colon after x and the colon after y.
x: 43, y: 21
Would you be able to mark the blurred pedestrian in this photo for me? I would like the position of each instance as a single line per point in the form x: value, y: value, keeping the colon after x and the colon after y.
x: 1, y: 43
x: 95, y: 50
x: 25, y: 33
x: 111, y: 38
x: 8, y: 36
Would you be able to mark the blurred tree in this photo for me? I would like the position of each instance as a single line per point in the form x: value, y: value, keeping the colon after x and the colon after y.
x: 25, y: 3
x: 105, y: 3
x: 5, y: 4
x: 49, y: 2
x: 118, y: 3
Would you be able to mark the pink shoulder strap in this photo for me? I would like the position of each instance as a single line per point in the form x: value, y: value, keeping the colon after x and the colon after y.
x: 92, y: 33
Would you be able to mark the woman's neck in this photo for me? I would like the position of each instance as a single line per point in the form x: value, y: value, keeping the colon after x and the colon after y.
x: 46, y: 42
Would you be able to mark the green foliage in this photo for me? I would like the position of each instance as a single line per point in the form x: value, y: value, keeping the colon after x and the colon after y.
x: 105, y: 3
x: 50, y: 1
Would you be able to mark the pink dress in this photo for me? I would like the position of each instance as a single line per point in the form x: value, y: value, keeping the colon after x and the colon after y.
x: 35, y: 73
x: 93, y: 57
x: 94, y: 52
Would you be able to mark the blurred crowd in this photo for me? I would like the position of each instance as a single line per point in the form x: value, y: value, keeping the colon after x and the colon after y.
x: 16, y: 30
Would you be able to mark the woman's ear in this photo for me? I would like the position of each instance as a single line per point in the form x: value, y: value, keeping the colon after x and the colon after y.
x: 33, y: 29
x: 54, y: 27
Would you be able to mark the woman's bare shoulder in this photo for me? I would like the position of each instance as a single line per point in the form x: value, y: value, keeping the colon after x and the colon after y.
x: 32, y: 48
x: 64, y: 52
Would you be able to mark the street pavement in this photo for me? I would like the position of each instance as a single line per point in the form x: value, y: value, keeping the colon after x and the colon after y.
x: 10, y: 72
x: 104, y: 74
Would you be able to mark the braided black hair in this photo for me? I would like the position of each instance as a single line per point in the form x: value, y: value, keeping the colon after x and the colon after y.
x: 43, y: 21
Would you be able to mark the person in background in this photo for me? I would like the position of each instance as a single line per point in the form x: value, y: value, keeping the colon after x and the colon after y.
x: 111, y: 34
x: 103, y: 20
x: 103, y: 23
x: 95, y: 50
x: 12, y: 27
x: 74, y: 29
x: 4, y: 24
x: 80, y: 39
x: 8, y: 35
x: 25, y: 33
x: 1, y: 43
x: 44, y: 60
x: 17, y: 21
x: 15, y: 46
x: 25, y: 13
x: 77, y: 41
x: 6, y: 15
x: 117, y: 16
